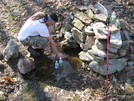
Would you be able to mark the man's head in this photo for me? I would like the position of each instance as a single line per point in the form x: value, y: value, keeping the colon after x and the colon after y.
x: 53, y: 18
x: 50, y: 22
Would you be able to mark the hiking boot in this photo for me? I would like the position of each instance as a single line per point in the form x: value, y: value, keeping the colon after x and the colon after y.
x: 41, y: 51
x: 34, y: 52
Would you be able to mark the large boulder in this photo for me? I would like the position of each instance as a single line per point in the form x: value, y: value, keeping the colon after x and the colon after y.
x: 11, y: 50
x: 115, y: 65
x: 25, y: 65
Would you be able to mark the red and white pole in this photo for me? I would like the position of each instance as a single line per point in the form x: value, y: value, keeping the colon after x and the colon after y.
x: 107, y: 52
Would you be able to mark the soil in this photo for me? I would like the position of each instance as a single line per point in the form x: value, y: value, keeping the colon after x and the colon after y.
x: 81, y: 85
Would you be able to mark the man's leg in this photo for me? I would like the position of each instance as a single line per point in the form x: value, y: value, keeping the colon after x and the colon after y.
x: 33, y: 52
x: 36, y: 45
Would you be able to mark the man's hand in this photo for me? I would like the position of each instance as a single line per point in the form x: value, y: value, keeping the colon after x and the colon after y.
x: 55, y: 49
x: 61, y: 55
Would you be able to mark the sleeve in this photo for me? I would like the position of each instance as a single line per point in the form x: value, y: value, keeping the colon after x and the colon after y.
x: 43, y: 30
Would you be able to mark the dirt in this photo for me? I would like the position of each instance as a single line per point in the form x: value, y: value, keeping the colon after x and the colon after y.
x: 81, y: 85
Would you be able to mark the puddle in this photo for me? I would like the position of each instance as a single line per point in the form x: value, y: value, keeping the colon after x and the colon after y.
x: 36, y: 81
x: 63, y: 71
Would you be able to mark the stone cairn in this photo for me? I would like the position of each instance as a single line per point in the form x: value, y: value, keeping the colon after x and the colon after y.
x: 85, y: 27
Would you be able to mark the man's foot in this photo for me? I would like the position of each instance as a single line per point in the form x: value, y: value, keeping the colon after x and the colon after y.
x: 35, y: 52
x: 41, y: 51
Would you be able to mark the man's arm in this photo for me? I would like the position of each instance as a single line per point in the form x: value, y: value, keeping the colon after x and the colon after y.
x: 54, y: 47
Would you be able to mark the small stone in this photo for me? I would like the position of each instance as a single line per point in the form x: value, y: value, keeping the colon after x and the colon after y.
x: 128, y: 89
x: 113, y: 29
x: 87, y: 90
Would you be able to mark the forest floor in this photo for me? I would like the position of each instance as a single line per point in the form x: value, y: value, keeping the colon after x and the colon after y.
x: 79, y: 85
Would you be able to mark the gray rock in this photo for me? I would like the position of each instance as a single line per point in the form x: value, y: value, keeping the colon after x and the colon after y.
x: 11, y: 50
x: 125, y: 44
x: 122, y: 52
x: 97, y: 52
x: 113, y: 29
x: 95, y: 10
x: 68, y: 36
x: 68, y: 44
x: 79, y: 36
x: 115, y: 65
x: 2, y: 96
x: 113, y: 55
x: 101, y: 44
x: 90, y: 13
x: 99, y: 59
x: 126, y: 34
x: 83, y: 17
x: 100, y: 17
x: 123, y: 24
x: 102, y: 9
x: 89, y: 30
x: 89, y: 42
x: 85, y: 56
x: 130, y: 63
x: 78, y: 24
x: 113, y: 49
x: 82, y: 8
x: 25, y: 65
x: 99, y: 29
x: 115, y: 40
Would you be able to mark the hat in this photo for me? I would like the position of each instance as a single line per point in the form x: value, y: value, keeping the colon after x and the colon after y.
x: 51, y: 20
x: 54, y: 17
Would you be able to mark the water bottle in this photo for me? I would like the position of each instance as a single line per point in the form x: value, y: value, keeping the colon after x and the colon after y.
x: 113, y: 18
x: 60, y: 62
x: 56, y: 66
x: 117, y: 24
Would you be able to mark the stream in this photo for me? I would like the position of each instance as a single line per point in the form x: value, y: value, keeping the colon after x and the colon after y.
x: 35, y: 82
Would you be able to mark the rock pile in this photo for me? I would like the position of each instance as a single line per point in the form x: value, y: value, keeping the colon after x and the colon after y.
x: 86, y: 27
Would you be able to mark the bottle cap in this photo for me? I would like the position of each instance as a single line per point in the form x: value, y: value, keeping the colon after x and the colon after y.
x: 113, y: 12
x: 117, y: 20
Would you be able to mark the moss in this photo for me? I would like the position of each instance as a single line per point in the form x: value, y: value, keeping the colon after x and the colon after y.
x: 15, y: 22
x: 6, y: 11
x: 132, y: 99
x: 74, y: 61
x: 15, y: 5
x: 67, y: 7
x: 10, y: 17
x: 75, y: 98
x: 130, y: 4
x: 132, y: 79
x: 24, y: 3
x: 13, y: 30
x: 42, y: 84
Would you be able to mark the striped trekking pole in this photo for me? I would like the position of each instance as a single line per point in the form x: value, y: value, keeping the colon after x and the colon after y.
x: 106, y: 13
x: 107, y: 52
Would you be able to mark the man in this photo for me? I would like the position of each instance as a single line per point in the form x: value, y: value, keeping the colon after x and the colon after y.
x: 36, y: 31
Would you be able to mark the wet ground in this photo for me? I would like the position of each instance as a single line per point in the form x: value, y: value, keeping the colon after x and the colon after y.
x: 42, y: 84
x: 45, y: 75
x: 74, y: 81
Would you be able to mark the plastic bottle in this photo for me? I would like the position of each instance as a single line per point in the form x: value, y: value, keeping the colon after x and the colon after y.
x: 117, y: 24
x: 113, y: 18
x: 60, y: 62
x: 56, y: 66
